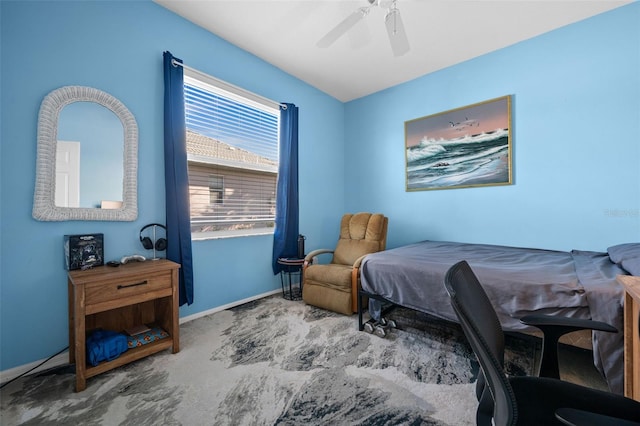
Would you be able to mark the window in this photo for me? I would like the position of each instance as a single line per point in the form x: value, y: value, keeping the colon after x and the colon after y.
x: 216, y: 189
x: 232, y: 153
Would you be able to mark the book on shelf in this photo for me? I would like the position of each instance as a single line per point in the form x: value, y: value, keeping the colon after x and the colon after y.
x: 137, y: 329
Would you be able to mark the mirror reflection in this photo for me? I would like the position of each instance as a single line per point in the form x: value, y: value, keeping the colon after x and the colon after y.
x: 89, y: 157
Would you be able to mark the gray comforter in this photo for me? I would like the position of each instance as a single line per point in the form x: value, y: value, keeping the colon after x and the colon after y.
x: 519, y: 281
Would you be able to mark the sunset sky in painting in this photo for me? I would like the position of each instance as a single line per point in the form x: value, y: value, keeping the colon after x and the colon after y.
x: 484, y: 117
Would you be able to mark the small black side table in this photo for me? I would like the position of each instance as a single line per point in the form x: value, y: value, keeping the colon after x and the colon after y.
x: 291, y: 274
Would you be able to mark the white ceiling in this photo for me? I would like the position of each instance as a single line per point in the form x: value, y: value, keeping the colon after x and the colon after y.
x: 441, y: 33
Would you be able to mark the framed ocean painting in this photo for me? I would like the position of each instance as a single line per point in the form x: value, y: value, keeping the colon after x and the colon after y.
x: 464, y: 147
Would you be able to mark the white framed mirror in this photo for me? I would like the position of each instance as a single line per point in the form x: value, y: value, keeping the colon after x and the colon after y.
x: 87, y: 157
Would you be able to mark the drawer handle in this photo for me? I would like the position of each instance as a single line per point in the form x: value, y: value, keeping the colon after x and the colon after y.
x: 132, y: 285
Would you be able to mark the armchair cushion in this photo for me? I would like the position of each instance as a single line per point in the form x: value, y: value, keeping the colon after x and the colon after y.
x: 329, y: 287
x: 331, y: 275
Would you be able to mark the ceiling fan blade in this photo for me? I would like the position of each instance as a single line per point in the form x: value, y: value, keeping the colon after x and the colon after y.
x: 343, y: 27
x: 396, y: 32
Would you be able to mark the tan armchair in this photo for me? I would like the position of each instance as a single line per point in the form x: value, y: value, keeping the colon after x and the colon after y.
x: 334, y: 285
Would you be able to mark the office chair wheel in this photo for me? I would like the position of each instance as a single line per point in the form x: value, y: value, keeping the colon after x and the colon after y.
x: 380, y: 331
x: 368, y: 327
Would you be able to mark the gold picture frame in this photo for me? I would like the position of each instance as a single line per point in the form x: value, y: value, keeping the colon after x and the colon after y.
x: 464, y: 147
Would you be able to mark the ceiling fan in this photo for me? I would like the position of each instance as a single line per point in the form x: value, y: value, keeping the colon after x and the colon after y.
x: 392, y: 20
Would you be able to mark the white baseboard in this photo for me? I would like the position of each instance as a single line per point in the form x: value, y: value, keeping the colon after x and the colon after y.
x: 56, y: 361
x: 227, y: 306
x: 63, y: 358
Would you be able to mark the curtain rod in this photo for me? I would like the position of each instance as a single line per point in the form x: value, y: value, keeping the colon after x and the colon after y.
x: 262, y: 99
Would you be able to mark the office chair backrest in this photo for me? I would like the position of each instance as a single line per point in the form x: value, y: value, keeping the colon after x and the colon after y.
x: 482, y: 328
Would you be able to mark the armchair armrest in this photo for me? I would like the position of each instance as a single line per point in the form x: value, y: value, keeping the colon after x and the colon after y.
x: 309, y: 257
x: 553, y: 327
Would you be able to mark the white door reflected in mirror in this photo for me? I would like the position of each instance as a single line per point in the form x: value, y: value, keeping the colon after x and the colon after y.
x: 68, y: 174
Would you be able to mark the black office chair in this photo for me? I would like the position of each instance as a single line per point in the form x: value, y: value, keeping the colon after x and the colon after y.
x: 523, y: 400
x: 553, y: 327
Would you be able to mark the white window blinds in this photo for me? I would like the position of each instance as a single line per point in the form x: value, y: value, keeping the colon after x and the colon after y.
x: 235, y: 138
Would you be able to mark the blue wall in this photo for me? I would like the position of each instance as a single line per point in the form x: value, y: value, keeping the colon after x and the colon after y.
x: 576, y: 94
x: 576, y: 136
x: 117, y: 47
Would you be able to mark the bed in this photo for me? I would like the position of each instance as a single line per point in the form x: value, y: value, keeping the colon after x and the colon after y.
x: 519, y: 281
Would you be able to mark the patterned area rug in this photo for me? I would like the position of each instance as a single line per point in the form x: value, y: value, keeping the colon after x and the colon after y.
x: 274, y: 362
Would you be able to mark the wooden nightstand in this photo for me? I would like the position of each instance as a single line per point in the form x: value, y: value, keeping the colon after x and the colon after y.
x: 116, y: 298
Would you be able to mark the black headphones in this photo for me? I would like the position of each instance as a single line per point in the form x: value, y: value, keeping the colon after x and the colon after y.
x: 160, y: 244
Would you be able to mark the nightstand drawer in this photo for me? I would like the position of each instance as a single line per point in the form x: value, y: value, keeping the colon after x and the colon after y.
x: 126, y: 288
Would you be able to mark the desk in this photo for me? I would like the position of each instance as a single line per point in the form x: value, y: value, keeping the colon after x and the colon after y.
x: 631, y: 286
x: 291, y: 273
x: 118, y: 298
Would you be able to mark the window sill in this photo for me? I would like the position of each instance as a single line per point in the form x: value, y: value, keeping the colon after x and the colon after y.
x: 217, y: 235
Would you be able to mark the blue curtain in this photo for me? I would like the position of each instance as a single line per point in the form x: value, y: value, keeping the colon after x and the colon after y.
x: 176, y: 177
x: 285, y: 236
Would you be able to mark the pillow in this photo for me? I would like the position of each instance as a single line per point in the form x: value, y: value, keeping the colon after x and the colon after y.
x: 631, y: 265
x: 626, y: 255
x: 623, y: 251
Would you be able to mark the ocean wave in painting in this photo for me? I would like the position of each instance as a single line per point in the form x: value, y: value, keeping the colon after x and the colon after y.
x: 468, y: 160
